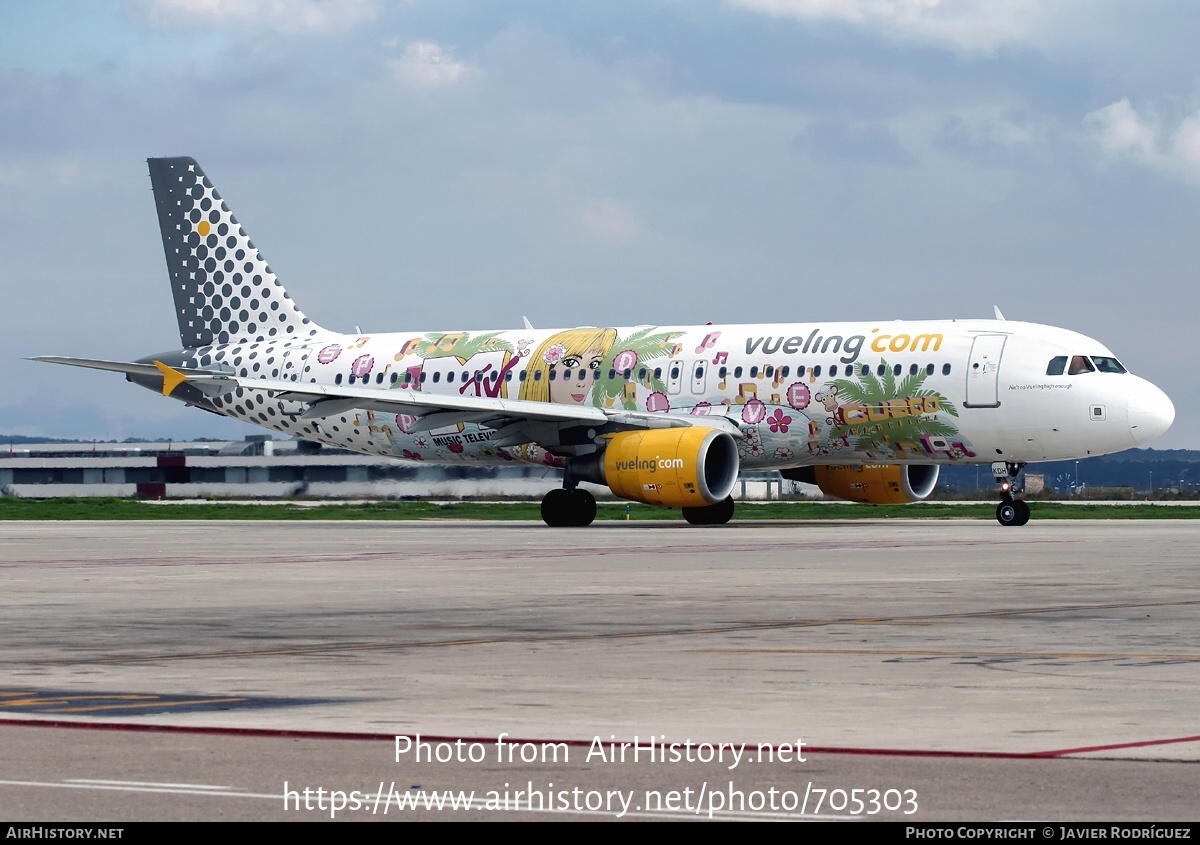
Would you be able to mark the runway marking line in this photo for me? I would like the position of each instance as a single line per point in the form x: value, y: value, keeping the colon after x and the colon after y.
x: 1028, y: 655
x: 671, y: 632
x: 119, y: 704
x: 284, y: 733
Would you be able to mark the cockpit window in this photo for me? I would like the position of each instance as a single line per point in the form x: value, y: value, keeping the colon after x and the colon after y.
x: 1057, y: 366
x: 1080, y: 364
x: 1108, y: 365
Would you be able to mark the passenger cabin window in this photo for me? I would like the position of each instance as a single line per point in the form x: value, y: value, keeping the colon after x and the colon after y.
x: 1080, y: 364
x: 1108, y: 365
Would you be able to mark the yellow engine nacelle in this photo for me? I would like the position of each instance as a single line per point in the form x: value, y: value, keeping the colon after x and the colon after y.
x: 675, y: 468
x: 890, y: 484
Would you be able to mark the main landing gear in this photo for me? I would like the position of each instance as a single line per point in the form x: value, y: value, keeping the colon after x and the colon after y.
x: 1010, y: 511
x: 564, y: 508
x: 717, y: 514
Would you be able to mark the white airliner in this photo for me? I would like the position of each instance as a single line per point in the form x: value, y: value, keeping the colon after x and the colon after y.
x: 666, y: 415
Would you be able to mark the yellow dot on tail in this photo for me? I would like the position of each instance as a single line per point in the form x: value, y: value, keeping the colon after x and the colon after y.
x: 203, y: 228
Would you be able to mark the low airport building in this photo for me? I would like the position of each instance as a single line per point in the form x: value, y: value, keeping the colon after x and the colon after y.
x: 260, y: 467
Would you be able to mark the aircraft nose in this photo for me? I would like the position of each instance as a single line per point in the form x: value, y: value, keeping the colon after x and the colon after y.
x: 1150, y: 412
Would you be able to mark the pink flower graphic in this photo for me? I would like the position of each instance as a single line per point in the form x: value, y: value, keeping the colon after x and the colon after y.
x: 413, y: 456
x: 329, y: 353
x: 362, y: 366
x: 456, y: 448
x: 778, y: 422
x: 555, y: 354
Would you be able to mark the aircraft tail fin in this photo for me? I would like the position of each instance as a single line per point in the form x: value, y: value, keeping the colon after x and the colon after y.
x: 224, y: 290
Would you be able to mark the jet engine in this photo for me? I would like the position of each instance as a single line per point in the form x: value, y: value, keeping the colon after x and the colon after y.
x: 888, y: 484
x: 675, y: 467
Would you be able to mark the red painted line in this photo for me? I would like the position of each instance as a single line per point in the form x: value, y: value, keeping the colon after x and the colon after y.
x: 284, y: 733
x: 1087, y: 749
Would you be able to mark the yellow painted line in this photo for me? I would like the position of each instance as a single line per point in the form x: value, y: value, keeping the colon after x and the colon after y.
x: 163, y: 703
x: 35, y: 699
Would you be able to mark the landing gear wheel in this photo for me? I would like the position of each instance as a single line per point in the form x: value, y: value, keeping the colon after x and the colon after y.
x: 717, y: 514
x: 556, y: 507
x: 1010, y: 511
x: 1014, y: 512
x: 583, y: 508
x: 568, y: 508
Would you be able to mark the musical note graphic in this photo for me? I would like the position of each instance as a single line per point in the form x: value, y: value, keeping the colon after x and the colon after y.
x: 708, y: 342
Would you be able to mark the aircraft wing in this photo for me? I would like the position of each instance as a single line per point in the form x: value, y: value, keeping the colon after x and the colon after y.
x: 436, y: 410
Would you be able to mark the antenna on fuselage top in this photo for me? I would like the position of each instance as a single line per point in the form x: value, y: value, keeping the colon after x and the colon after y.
x: 996, y: 308
x: 528, y: 324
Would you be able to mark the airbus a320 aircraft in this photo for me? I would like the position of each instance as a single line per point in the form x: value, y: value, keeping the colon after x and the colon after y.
x: 666, y: 415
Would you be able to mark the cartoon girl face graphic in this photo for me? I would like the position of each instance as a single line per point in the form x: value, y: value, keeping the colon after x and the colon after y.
x: 565, y: 366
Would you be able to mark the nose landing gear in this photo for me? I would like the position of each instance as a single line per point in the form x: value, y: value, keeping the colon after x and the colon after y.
x: 1010, y: 511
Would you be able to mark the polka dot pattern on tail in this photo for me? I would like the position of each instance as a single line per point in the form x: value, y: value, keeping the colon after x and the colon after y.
x: 217, y: 274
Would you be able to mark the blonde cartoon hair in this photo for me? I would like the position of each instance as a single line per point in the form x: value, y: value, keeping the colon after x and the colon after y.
x: 573, y: 342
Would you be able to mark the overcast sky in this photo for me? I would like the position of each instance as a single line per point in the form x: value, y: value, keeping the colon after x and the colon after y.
x: 429, y: 164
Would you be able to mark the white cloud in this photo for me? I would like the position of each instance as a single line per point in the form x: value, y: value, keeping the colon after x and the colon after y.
x: 1185, y: 144
x: 290, y: 17
x: 425, y: 65
x: 1121, y: 132
x: 969, y: 25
